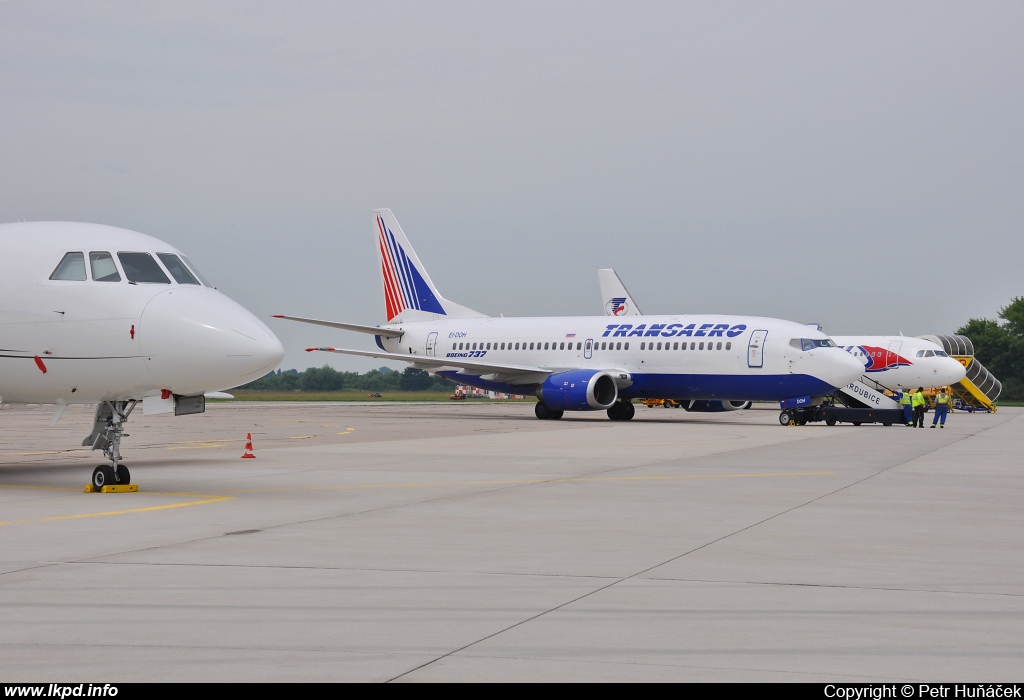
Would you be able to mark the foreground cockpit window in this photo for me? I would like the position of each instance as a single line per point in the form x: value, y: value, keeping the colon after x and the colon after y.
x: 103, y: 267
x: 811, y: 343
x: 195, y: 271
x: 71, y: 268
x: 141, y: 267
x: 177, y: 269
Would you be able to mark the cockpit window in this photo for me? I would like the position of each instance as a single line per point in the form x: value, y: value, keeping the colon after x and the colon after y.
x: 811, y: 343
x: 141, y: 267
x: 103, y: 267
x: 941, y: 353
x: 196, y: 272
x: 71, y: 268
x: 177, y: 269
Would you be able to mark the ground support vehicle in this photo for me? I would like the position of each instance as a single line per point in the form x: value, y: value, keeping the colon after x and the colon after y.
x: 832, y: 413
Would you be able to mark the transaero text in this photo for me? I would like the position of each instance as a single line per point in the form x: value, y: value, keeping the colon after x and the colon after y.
x: 668, y: 330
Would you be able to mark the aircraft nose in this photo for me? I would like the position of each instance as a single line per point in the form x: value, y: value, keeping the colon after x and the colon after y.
x: 198, y: 340
x: 952, y: 371
x: 845, y: 368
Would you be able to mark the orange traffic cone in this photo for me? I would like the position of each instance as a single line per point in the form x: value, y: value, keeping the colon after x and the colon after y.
x: 248, y: 447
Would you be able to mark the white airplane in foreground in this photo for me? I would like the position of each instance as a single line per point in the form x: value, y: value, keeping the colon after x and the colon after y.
x: 892, y: 361
x: 589, y: 363
x: 93, y: 314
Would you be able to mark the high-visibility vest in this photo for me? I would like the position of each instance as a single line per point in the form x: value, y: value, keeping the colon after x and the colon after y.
x: 905, y: 398
x: 942, y: 399
x: 918, y: 399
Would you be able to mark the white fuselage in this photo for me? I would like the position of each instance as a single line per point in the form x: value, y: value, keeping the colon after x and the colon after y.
x: 725, y: 357
x: 86, y: 340
x: 902, y: 362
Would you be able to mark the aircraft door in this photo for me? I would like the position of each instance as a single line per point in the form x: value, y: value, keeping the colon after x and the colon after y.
x: 588, y: 348
x: 893, y: 353
x: 431, y: 344
x: 755, y: 350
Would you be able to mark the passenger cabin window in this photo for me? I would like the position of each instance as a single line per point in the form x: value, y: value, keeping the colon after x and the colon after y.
x: 177, y: 269
x: 141, y: 267
x: 103, y: 267
x: 71, y: 268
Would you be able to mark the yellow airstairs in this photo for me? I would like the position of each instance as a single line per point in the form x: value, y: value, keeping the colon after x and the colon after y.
x: 979, y: 389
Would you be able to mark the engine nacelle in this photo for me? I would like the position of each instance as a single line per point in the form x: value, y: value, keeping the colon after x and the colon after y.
x: 715, y: 406
x: 579, y: 390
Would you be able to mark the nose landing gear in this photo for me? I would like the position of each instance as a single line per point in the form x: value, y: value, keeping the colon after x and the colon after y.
x: 107, y: 431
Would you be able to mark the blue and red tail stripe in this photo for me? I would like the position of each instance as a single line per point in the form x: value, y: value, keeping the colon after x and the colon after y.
x: 404, y: 286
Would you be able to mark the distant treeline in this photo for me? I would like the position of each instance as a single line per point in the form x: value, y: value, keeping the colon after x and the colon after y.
x: 999, y: 345
x: 328, y: 379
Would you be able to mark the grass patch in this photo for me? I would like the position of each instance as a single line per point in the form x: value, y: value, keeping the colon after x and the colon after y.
x: 347, y: 395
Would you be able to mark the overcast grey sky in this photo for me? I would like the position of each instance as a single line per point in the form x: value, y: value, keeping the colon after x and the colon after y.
x: 856, y: 164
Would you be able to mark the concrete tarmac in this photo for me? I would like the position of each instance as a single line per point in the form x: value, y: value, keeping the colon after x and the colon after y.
x: 470, y: 541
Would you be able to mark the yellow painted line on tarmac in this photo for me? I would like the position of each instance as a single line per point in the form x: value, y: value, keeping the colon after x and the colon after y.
x: 507, y: 482
x: 201, y: 444
x: 203, y: 500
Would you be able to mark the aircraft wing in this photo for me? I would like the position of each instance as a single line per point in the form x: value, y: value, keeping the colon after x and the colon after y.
x: 372, y: 330
x: 506, y: 372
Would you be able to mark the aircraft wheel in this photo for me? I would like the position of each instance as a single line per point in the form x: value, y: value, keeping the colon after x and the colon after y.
x: 831, y: 420
x: 124, y: 477
x: 628, y: 410
x: 785, y: 418
x: 613, y: 412
x: 555, y: 415
x: 856, y: 422
x: 102, y: 475
x: 542, y: 411
x: 887, y: 424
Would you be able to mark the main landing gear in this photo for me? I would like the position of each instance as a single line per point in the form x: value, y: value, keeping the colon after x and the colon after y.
x: 622, y: 410
x: 542, y: 411
x: 107, y: 431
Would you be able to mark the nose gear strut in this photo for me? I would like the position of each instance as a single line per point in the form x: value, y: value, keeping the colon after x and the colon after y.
x: 107, y: 431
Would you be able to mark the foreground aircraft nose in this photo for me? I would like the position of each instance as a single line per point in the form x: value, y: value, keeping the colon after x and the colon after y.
x: 845, y: 368
x: 198, y: 340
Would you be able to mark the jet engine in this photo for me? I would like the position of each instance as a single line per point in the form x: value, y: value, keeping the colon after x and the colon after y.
x: 579, y: 390
x: 715, y: 406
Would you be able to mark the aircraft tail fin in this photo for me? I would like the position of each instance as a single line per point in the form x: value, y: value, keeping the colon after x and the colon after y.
x: 617, y: 301
x: 409, y: 295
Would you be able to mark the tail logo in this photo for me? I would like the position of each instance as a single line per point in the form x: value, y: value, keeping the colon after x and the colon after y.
x: 880, y: 359
x: 404, y: 286
x: 617, y: 306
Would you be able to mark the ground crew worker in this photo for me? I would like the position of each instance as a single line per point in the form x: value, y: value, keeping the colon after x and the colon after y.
x: 942, y: 402
x: 908, y: 411
x: 920, y: 403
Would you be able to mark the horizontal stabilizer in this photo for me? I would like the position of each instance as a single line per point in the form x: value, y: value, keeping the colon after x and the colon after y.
x: 372, y: 330
x: 436, y: 363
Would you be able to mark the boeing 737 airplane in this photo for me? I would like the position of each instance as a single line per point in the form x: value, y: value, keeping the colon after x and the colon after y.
x: 589, y: 363
x: 93, y: 314
x: 891, y: 361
